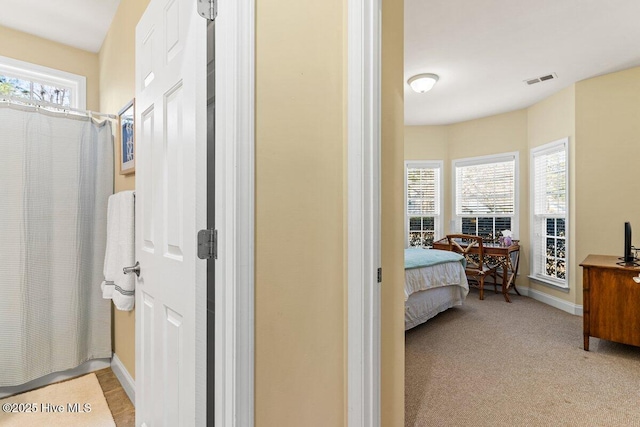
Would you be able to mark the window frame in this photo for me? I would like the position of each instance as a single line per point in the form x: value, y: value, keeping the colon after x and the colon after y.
x: 50, y: 76
x: 438, y: 220
x: 548, y: 148
x: 456, y: 225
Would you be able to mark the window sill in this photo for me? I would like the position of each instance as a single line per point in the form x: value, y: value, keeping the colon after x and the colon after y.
x: 550, y: 284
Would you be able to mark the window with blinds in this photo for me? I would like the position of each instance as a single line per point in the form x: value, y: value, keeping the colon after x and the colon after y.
x: 485, y: 195
x: 423, y: 200
x: 42, y: 85
x: 549, y: 201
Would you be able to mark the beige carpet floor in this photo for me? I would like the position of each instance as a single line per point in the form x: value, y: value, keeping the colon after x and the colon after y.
x: 54, y: 406
x: 489, y: 363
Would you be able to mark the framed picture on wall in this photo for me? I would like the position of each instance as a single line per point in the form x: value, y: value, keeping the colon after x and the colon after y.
x: 127, y: 141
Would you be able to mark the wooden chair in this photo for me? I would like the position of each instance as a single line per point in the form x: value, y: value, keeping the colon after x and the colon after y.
x: 471, y: 248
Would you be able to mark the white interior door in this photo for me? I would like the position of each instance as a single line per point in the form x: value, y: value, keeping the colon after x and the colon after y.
x: 170, y: 114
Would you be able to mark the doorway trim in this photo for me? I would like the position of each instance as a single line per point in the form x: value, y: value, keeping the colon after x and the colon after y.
x: 363, y: 217
x: 235, y: 195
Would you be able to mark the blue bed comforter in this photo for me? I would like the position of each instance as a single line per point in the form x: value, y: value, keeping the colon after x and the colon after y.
x: 418, y: 257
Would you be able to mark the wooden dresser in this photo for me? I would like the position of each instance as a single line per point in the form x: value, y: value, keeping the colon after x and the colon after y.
x: 611, y: 301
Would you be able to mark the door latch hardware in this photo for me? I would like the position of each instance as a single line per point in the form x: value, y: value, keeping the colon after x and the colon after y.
x: 135, y: 269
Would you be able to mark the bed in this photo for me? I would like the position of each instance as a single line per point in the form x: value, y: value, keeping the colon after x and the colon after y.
x: 434, y: 281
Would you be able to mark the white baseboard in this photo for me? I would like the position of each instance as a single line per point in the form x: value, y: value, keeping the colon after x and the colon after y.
x: 552, y: 301
x: 128, y: 384
x: 85, y: 368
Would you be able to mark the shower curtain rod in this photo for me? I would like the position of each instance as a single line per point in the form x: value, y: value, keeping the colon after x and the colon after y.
x: 48, y: 105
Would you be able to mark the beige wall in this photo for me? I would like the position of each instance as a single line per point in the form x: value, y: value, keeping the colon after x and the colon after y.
x: 117, y: 87
x: 426, y: 143
x: 392, y: 215
x: 36, y: 50
x: 606, y: 164
x: 552, y: 118
x: 300, y: 352
x: 490, y: 135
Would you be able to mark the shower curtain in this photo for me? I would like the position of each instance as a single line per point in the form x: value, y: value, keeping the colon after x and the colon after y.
x: 56, y: 174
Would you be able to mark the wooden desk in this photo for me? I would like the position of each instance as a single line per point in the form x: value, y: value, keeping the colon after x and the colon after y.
x: 610, y: 300
x: 507, y: 256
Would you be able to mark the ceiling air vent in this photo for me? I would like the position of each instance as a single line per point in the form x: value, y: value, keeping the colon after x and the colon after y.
x: 541, y: 79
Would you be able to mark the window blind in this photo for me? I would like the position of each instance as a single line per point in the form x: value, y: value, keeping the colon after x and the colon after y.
x: 422, y: 191
x: 550, y: 181
x: 486, y: 188
x: 550, y: 206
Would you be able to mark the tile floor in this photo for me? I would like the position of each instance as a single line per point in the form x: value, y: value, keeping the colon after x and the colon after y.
x: 121, y: 407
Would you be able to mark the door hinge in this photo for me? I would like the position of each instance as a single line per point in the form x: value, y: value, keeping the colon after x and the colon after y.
x: 208, y: 244
x: 380, y: 275
x: 208, y: 9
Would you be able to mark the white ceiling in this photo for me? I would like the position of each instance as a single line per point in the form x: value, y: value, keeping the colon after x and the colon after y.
x: 483, y: 50
x: 78, y: 23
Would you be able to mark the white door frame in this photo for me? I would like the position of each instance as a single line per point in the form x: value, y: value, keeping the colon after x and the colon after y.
x: 363, y: 217
x: 234, y: 270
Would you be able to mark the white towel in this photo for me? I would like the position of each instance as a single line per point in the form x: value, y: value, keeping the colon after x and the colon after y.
x: 120, y: 251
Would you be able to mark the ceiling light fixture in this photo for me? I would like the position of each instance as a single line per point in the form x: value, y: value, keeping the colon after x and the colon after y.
x: 422, y: 83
